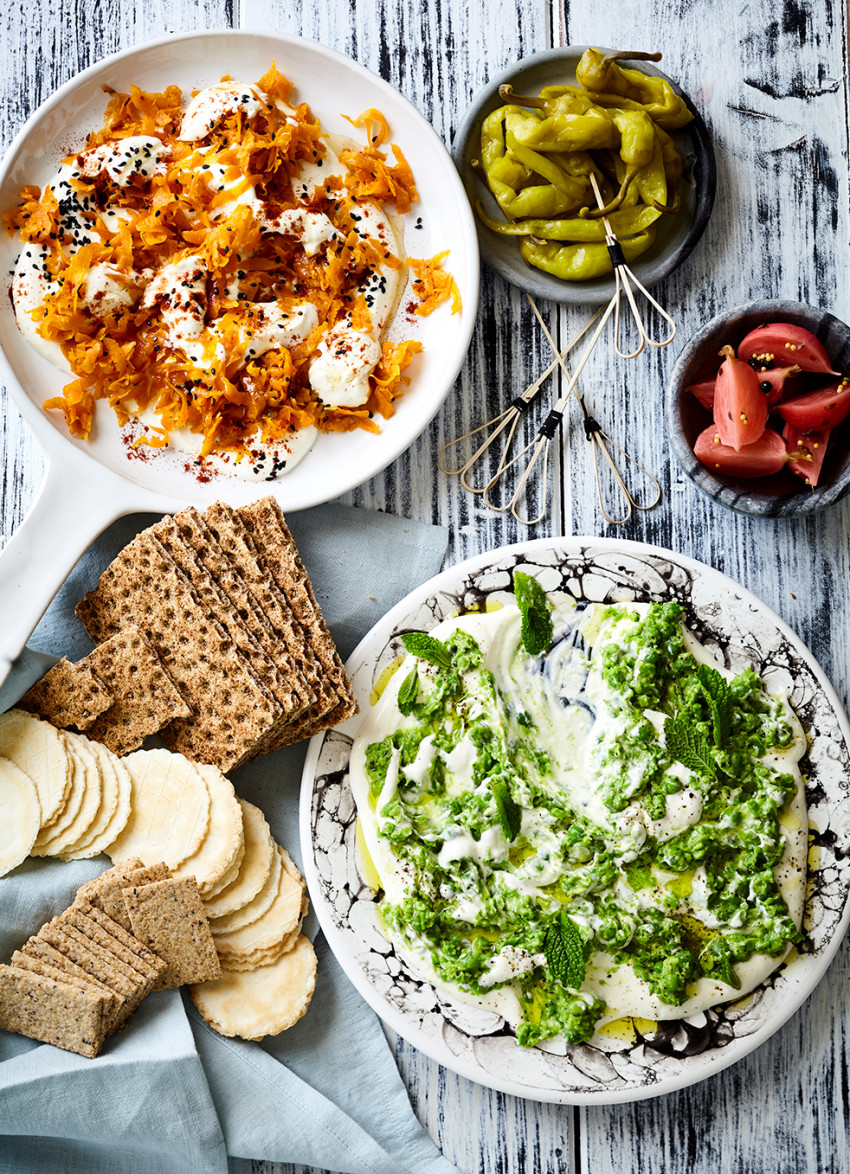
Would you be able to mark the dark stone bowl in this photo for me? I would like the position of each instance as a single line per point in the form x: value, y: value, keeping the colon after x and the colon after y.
x: 783, y: 495
x: 677, y: 234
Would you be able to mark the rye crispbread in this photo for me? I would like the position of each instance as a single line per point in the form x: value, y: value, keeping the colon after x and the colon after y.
x: 232, y: 709
x: 211, y: 594
x: 68, y: 695
x: 58, y: 1013
x: 265, y: 521
x: 146, y: 698
x: 169, y: 915
x: 236, y: 543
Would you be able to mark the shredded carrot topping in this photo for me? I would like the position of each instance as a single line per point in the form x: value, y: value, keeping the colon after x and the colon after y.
x: 433, y: 285
x: 196, y: 215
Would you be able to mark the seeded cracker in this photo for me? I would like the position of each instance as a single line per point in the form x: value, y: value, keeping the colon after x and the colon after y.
x: 109, y: 897
x: 118, y: 872
x: 38, y: 949
x: 233, y: 710
x: 68, y: 695
x: 52, y: 1012
x: 112, y: 1001
x: 169, y: 916
x: 255, y: 1003
x: 146, y: 698
x: 265, y: 521
x: 105, y: 965
x: 107, y: 933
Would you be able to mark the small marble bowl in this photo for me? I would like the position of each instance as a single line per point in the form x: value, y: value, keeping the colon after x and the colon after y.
x: 677, y: 234
x: 783, y: 495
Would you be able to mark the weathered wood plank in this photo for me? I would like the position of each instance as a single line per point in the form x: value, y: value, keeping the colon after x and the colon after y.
x: 772, y: 84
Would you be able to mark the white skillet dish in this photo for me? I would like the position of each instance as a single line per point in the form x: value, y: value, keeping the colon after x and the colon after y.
x: 90, y: 483
x: 641, y: 1061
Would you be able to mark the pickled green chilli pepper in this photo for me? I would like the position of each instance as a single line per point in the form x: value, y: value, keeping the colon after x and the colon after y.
x: 538, y: 153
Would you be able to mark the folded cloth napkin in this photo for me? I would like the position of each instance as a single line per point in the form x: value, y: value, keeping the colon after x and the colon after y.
x: 168, y: 1093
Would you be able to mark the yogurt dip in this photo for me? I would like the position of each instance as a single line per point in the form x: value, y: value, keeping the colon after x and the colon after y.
x: 525, y: 810
x: 218, y: 280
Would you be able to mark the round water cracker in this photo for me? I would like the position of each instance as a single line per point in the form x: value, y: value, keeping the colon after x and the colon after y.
x: 85, y: 765
x: 92, y: 841
x: 169, y: 809
x: 37, y: 748
x: 104, y: 839
x: 230, y: 876
x: 291, y: 868
x: 256, y: 1003
x: 255, y: 908
x: 280, y: 919
x: 220, y: 847
x: 256, y: 865
x: 71, y: 808
x: 271, y: 953
x: 21, y: 815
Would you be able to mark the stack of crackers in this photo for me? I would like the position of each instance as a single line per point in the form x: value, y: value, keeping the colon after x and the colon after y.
x: 79, y: 978
x: 209, y: 633
x: 61, y: 794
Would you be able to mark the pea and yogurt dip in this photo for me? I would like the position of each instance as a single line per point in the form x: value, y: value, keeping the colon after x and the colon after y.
x: 612, y: 826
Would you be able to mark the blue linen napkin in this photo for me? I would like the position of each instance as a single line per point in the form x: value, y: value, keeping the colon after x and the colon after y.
x: 168, y: 1094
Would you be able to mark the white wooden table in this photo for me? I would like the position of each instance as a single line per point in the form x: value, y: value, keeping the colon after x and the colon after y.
x: 770, y: 80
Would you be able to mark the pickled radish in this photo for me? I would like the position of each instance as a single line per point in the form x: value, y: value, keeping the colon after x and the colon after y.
x: 807, y: 451
x: 779, y: 343
x: 819, y: 409
x: 740, y: 406
x: 768, y: 455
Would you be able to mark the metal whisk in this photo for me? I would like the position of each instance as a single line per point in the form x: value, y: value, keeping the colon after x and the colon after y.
x: 505, y: 424
x: 506, y: 420
x: 601, y: 442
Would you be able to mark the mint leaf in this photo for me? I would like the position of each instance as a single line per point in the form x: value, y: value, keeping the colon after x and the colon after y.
x: 564, y: 950
x: 536, y: 613
x: 510, y: 813
x: 688, y: 747
x: 427, y: 648
x: 719, y: 696
x: 408, y: 692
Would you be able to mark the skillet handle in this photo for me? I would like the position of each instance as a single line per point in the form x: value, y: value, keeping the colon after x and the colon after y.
x: 72, y: 507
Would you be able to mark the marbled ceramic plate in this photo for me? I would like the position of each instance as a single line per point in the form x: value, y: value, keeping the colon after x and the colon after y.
x: 477, y: 1044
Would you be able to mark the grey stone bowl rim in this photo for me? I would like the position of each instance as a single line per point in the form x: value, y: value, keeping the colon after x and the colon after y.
x: 730, y: 326
x: 649, y: 269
